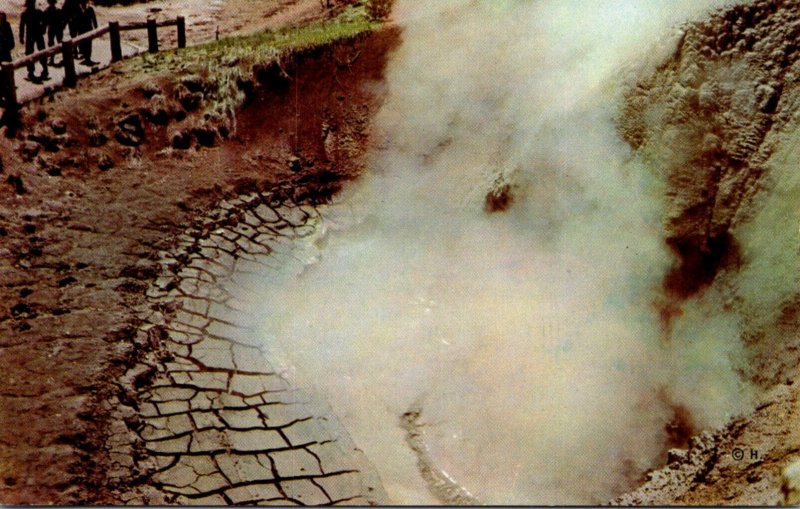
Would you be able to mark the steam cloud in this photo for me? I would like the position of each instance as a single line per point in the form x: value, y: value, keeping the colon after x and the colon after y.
x: 527, y: 337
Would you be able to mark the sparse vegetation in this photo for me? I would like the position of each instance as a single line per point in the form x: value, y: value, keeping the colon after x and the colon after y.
x: 378, y: 9
x: 227, y: 64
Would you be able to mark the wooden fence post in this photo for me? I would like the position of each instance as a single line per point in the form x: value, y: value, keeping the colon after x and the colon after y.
x: 181, y: 32
x: 116, y: 45
x: 68, y: 59
x: 9, y: 86
x: 152, y: 35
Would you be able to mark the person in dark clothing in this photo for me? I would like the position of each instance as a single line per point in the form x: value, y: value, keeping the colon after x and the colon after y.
x: 68, y: 11
x: 6, y: 45
x: 31, y: 33
x: 6, y: 38
x: 86, y: 22
x: 54, y: 24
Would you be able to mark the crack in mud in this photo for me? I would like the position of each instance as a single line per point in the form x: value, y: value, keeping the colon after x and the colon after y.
x: 218, y: 424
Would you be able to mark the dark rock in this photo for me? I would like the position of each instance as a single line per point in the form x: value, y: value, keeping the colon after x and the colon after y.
x: 151, y: 89
x: 194, y: 83
x: 73, y: 162
x: 51, y: 168
x: 188, y: 99
x: 294, y: 163
x: 66, y: 281
x: 58, y: 126
x: 45, y: 140
x: 181, y: 140
x: 144, y: 272
x: 130, y: 130
x: 132, y: 287
x: 97, y: 138
x: 29, y: 150
x: 205, y: 134
x: 158, y: 110
x: 104, y: 162
x: 16, y: 182
x: 179, y: 114
x: 21, y: 308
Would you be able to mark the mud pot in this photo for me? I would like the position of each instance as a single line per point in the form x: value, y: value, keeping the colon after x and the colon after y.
x: 415, y: 272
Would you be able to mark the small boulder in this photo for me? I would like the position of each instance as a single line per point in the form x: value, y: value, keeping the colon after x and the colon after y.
x: 97, y: 138
x: 158, y: 110
x: 150, y: 89
x: 45, y: 140
x: 188, y: 99
x: 29, y: 150
x: 58, y: 126
x: 129, y: 130
x: 206, y: 134
x: 194, y: 83
x: 16, y: 182
x: 104, y: 162
x: 181, y: 140
x: 294, y: 163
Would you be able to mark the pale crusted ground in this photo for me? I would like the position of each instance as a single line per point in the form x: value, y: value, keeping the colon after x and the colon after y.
x: 727, y: 102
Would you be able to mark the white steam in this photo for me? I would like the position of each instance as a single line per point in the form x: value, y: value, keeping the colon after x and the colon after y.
x: 528, y: 337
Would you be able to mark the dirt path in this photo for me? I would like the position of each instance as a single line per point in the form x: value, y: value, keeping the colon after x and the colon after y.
x: 206, y: 21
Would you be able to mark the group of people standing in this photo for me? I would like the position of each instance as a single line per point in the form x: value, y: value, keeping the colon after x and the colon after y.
x: 34, y: 24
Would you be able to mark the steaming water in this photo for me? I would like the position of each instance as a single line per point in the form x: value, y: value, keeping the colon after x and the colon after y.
x: 528, y: 338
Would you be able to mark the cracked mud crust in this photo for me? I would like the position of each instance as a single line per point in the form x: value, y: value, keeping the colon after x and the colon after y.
x: 217, y: 423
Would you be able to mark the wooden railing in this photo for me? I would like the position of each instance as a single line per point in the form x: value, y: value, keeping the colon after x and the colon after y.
x: 67, y: 50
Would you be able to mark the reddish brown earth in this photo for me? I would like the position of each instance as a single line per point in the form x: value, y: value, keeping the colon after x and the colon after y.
x: 78, y: 244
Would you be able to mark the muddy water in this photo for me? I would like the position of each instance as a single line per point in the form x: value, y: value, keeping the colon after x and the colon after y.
x: 509, y: 356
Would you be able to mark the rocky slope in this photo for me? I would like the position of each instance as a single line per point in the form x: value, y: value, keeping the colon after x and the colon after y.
x: 719, y: 119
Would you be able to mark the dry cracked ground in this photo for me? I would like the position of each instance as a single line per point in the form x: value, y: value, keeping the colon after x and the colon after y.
x: 120, y: 251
